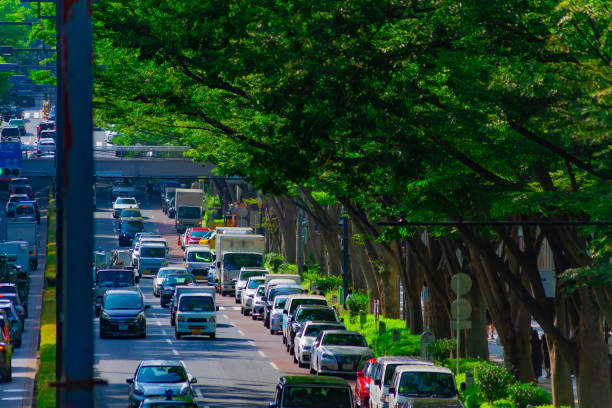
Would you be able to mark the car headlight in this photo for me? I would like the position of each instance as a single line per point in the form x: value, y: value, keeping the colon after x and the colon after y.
x: 186, y: 392
x: 138, y: 391
x: 327, y: 356
x: 105, y: 316
x: 140, y: 316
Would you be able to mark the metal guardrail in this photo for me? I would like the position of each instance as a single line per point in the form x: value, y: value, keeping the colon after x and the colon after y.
x: 129, y: 152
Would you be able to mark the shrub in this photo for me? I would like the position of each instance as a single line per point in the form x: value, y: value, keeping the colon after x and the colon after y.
x: 471, y: 397
x: 357, y: 304
x: 442, y: 349
x: 528, y: 394
x: 274, y: 261
x: 326, y: 283
x: 493, y: 381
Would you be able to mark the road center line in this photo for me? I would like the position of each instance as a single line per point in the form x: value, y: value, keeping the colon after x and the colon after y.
x: 158, y: 323
x: 241, y: 332
x: 164, y: 332
x: 175, y: 352
x: 168, y: 341
x: 261, y: 353
x: 274, y: 366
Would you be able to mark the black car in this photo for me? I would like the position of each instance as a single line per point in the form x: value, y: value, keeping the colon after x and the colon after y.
x: 312, y: 392
x: 307, y: 313
x: 129, y: 228
x: 6, y: 351
x: 171, y: 282
x: 123, y: 313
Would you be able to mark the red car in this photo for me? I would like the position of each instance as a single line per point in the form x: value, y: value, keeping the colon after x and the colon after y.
x: 192, y: 236
x: 362, y: 385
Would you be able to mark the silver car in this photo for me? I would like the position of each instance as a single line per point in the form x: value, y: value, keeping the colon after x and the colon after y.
x: 248, y: 297
x: 158, y: 282
x: 154, y: 378
x: 305, y: 338
x: 276, y: 314
x: 259, y: 302
x: 339, y: 352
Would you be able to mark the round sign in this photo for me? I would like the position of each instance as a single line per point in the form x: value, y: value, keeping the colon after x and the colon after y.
x: 461, y: 283
x: 465, y: 309
x: 242, y: 212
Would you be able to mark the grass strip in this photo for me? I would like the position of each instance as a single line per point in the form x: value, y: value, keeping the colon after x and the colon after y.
x: 45, y: 395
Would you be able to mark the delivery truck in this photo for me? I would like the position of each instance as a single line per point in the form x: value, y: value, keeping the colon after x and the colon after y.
x: 235, y: 251
x: 25, y: 231
x: 188, y: 205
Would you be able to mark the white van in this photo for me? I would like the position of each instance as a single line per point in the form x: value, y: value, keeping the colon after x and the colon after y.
x: 382, y: 373
x: 427, y: 386
x: 196, y: 315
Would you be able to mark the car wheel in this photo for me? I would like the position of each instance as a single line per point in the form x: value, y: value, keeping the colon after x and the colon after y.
x: 213, y: 336
x: 284, y: 340
x: 143, y: 335
x: 18, y: 343
x: 295, y: 360
x: 254, y: 317
x: 242, y: 311
x: 102, y: 335
x: 246, y: 312
x: 312, y: 371
x: 272, y: 331
x: 177, y: 334
x: 172, y: 322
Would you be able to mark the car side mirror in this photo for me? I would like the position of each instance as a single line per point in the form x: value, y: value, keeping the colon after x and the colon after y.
x: 193, y: 380
x: 147, y: 307
x: 391, y: 390
x: 376, y: 382
x: 463, y: 386
x: 129, y: 380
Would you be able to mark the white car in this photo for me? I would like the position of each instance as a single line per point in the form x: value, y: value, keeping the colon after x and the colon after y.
x: 248, y: 295
x: 123, y: 188
x: 339, y: 352
x: 305, y: 338
x: 121, y: 203
x: 423, y: 385
x: 383, y: 371
x: 45, y: 146
x: 196, y: 314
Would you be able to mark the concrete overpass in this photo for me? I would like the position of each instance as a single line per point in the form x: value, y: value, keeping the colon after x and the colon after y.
x: 130, y: 167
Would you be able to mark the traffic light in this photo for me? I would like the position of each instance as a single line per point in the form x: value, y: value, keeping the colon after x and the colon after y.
x: 11, y: 171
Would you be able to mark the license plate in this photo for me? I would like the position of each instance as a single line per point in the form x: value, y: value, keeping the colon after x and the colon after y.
x: 123, y: 327
x: 200, y: 277
x: 147, y: 272
x: 196, y: 331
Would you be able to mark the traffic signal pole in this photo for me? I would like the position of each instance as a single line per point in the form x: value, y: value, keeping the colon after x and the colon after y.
x: 75, y: 206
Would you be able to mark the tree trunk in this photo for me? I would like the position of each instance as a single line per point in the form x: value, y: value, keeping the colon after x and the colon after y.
x: 413, y: 286
x: 562, y: 390
x: 593, y: 372
x: 285, y: 218
x: 477, y: 344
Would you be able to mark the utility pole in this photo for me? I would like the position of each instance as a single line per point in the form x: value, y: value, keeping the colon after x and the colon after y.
x: 346, y: 274
x: 75, y: 170
x: 299, y: 241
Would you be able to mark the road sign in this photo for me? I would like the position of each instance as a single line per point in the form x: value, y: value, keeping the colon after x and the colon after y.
x: 464, y: 310
x: 463, y: 324
x: 461, y: 283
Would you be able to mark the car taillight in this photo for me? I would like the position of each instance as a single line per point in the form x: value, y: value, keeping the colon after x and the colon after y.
x: 1, y: 347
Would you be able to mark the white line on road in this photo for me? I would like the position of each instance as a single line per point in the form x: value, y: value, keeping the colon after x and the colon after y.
x: 240, y: 332
x: 175, y: 352
x: 158, y: 323
x: 261, y: 353
x: 13, y: 390
x: 168, y: 341
x: 274, y: 366
x: 12, y: 398
x: 225, y: 316
x: 251, y: 343
x: 164, y: 332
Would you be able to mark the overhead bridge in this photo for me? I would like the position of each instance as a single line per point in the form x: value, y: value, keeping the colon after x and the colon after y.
x: 130, y: 161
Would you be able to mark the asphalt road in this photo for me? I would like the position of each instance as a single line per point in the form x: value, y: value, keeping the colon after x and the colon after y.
x: 19, y: 392
x: 232, y: 371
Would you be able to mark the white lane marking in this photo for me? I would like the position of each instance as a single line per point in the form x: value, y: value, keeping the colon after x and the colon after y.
x: 164, y: 332
x: 251, y: 343
x: 101, y: 355
x: 241, y: 332
x: 158, y: 323
x: 229, y: 307
x: 274, y: 366
x: 37, y: 115
x: 13, y: 390
x: 13, y: 398
x: 168, y: 341
x: 225, y: 316
x: 175, y: 352
x: 261, y: 353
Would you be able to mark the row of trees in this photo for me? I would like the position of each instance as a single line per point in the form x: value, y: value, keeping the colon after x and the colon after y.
x: 414, y: 110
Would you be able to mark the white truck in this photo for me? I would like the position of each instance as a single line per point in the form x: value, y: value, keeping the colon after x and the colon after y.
x: 188, y: 205
x: 25, y: 231
x: 233, y: 252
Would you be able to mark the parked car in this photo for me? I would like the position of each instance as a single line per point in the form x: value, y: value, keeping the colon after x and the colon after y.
x: 363, y: 384
x: 339, y: 352
x: 308, y: 313
x: 425, y: 386
x: 312, y: 392
x: 306, y: 337
x: 156, y: 377
x: 248, y: 296
x: 382, y: 372
x: 123, y: 313
x: 6, y: 351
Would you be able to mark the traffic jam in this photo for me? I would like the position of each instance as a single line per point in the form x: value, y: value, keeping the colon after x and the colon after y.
x: 228, y: 262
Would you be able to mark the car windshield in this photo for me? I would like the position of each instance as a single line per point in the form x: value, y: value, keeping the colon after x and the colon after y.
x: 238, y: 260
x: 163, y: 272
x: 10, y: 132
x: 161, y: 374
x: 197, y: 304
x: 427, y: 384
x: 337, y: 339
x: 17, y: 198
x: 199, y: 234
x: 115, y: 279
x: 261, y: 290
x: 279, y: 302
x: 316, y: 397
x: 179, y: 279
x: 126, y: 201
x: 148, y: 252
x: 311, y: 301
x: 306, y: 315
x: 130, y: 213
x: 116, y: 301
x: 283, y: 291
x: 199, y: 256
x: 189, y: 212
x: 131, y: 225
x: 314, y: 330
x: 389, y: 373
x: 254, y: 283
x: 21, y: 190
x: 245, y: 275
